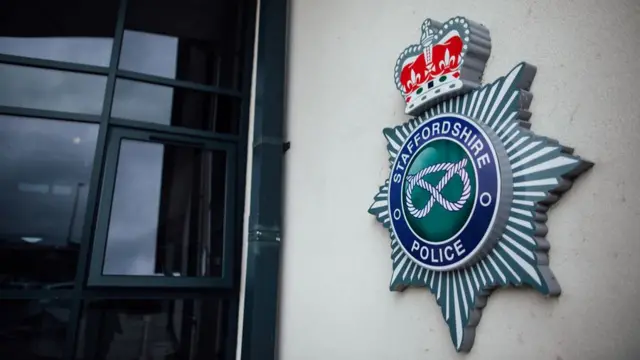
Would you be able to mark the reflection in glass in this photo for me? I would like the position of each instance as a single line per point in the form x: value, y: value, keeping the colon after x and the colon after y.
x: 167, y: 212
x: 152, y: 329
x: 46, y: 168
x: 194, y: 46
x: 159, y: 51
x: 175, y: 106
x: 90, y: 51
x: 71, y: 31
x: 33, y: 329
x: 51, y: 89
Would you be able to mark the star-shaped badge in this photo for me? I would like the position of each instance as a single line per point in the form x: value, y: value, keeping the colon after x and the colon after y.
x: 470, y: 185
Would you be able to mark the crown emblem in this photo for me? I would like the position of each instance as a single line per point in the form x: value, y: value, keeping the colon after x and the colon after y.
x: 449, y: 61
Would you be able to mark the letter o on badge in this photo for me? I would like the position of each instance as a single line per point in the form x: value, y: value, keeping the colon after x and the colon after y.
x: 426, y: 133
x: 485, y: 199
x: 424, y: 253
x: 397, y: 214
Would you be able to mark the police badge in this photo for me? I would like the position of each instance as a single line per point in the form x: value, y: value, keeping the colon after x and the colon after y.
x: 470, y: 185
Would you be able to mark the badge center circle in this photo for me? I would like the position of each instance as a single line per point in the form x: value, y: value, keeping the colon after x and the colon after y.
x: 439, y: 190
x: 444, y: 192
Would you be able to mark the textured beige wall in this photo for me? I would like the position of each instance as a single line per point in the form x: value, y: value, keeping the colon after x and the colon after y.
x: 335, y: 302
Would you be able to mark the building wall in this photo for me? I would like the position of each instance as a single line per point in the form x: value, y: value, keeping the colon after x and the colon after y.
x: 335, y: 302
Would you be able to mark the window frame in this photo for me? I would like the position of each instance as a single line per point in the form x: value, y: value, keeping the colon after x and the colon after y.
x: 81, y: 292
x: 116, y: 135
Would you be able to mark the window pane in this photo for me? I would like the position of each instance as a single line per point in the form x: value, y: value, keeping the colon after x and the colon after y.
x: 168, y: 211
x: 33, y: 329
x: 174, y: 106
x: 153, y: 329
x: 51, y: 89
x: 70, y: 30
x: 193, y: 40
x: 45, y: 168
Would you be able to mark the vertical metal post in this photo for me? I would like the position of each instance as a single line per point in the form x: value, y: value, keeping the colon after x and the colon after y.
x: 263, y: 260
x: 94, y: 187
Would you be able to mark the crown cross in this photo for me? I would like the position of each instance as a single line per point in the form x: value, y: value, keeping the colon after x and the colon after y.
x: 449, y: 61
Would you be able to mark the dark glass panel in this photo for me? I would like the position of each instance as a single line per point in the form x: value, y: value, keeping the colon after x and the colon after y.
x: 53, y: 90
x: 175, y: 106
x: 168, y: 211
x: 77, y: 31
x: 192, y: 40
x: 33, y: 329
x: 45, y: 172
x: 153, y: 329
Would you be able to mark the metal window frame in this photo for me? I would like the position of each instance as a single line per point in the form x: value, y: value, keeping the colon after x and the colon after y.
x: 116, y: 135
x: 48, y: 114
x: 153, y: 127
x: 179, y: 84
x: 80, y: 292
x: 53, y: 65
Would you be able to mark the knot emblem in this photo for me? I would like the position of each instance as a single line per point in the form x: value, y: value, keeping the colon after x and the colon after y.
x: 451, y: 169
